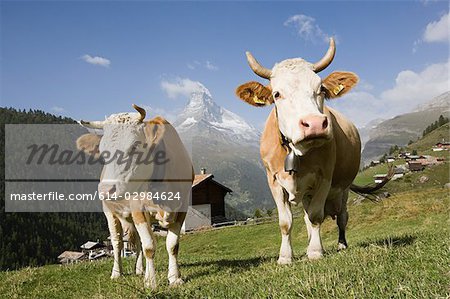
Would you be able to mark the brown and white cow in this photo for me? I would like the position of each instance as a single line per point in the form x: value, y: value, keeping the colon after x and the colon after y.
x: 322, y: 145
x: 129, y: 178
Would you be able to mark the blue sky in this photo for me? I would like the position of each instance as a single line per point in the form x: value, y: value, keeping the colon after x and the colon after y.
x: 90, y: 59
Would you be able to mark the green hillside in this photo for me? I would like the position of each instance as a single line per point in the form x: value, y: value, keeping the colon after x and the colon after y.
x: 398, y: 249
x: 399, y: 131
x: 438, y: 175
x: 38, y: 238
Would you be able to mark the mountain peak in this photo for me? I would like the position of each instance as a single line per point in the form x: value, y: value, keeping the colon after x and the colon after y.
x: 203, y: 116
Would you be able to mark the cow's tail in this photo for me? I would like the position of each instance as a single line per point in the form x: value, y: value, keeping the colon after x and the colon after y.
x: 368, y: 191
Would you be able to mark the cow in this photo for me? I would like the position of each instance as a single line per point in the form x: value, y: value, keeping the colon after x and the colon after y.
x: 310, y: 151
x: 125, y: 186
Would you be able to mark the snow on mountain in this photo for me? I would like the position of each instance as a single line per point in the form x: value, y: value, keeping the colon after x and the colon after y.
x: 203, y: 116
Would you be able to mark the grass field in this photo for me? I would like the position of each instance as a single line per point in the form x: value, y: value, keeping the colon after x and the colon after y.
x: 399, y: 248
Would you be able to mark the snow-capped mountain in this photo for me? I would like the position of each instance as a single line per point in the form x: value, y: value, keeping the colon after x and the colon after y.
x: 228, y: 147
x: 203, y: 116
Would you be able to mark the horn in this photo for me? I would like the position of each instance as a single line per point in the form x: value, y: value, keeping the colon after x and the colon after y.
x: 141, y: 112
x: 258, y: 68
x: 327, y: 59
x: 92, y: 124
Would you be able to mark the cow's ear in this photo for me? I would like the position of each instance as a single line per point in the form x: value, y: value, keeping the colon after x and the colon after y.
x: 255, y: 94
x: 155, y: 129
x: 337, y: 84
x: 89, y: 143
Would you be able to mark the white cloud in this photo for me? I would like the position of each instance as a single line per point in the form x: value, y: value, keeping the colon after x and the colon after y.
x: 210, y: 66
x: 307, y: 28
x: 181, y: 87
x: 96, y: 60
x: 207, y: 64
x: 437, y: 31
x: 410, y: 89
x: 58, y: 109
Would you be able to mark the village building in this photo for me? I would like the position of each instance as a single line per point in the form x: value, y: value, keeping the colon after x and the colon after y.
x: 70, y: 257
x: 403, y: 155
x: 378, y: 178
x: 398, y: 173
x: 374, y: 163
x: 444, y: 145
x: 208, y: 202
x: 94, y: 250
x: 415, y: 166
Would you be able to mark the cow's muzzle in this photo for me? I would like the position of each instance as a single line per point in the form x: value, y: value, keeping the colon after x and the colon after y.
x: 314, y: 127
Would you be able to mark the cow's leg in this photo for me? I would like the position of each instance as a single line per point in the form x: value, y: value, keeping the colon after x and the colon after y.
x: 284, y: 220
x: 315, y: 249
x: 148, y: 246
x: 313, y: 219
x: 139, y: 258
x: 115, y: 230
x: 172, y: 246
x: 341, y: 221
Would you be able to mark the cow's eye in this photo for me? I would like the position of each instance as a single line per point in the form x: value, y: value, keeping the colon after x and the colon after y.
x: 276, y: 95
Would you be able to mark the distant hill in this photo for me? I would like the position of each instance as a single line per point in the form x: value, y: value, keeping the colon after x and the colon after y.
x: 403, y: 128
x: 31, y: 239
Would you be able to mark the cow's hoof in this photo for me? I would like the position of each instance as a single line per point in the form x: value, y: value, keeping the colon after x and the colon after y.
x: 342, y: 246
x: 284, y: 260
x: 314, y: 255
x: 176, y: 282
x: 139, y: 271
x: 115, y: 275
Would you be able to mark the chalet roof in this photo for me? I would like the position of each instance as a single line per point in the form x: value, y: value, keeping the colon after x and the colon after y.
x: 200, y: 178
x: 71, y: 255
x: 414, y: 157
x: 92, y: 245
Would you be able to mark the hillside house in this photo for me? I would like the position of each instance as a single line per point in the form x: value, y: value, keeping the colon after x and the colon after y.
x: 415, y: 166
x: 390, y: 159
x: 70, y: 257
x: 413, y: 157
x: 403, y: 155
x: 398, y: 173
x: 94, y: 250
x: 428, y: 160
x: 378, y: 178
x: 208, y: 202
x: 443, y: 145
x: 374, y: 163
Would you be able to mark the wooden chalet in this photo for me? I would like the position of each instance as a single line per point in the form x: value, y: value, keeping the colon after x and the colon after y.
x: 208, y: 202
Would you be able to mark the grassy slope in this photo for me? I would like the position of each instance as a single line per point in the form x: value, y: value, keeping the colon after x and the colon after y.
x: 398, y: 248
